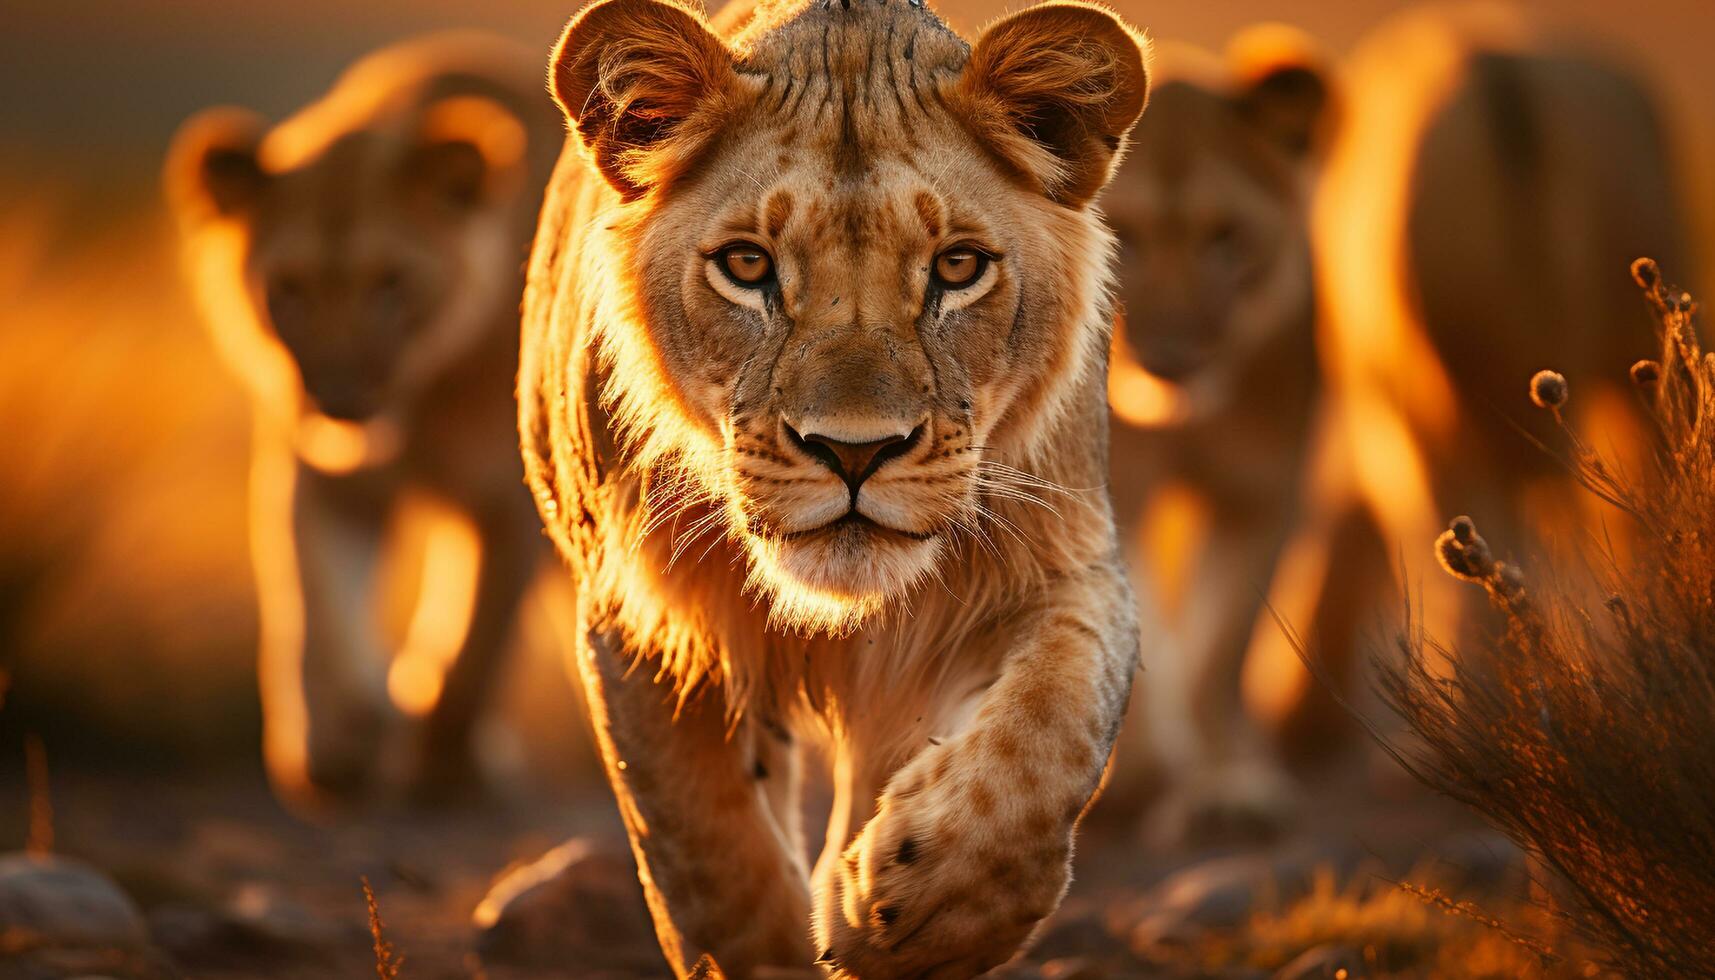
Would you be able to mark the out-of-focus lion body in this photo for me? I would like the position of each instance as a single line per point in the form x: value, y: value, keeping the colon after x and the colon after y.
x: 1214, y: 388
x: 1476, y: 221
x: 918, y: 607
x: 360, y: 267
x: 1335, y: 331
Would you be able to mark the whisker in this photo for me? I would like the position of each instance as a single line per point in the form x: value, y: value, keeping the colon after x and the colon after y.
x: 701, y: 527
x: 1023, y: 497
x: 1032, y: 479
x: 1007, y: 526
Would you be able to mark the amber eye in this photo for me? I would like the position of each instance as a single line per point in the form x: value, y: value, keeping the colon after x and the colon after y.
x: 957, y: 268
x: 747, y: 265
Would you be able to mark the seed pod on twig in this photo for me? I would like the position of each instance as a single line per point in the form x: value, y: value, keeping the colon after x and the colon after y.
x: 1645, y: 273
x: 1548, y: 389
x: 1462, y: 552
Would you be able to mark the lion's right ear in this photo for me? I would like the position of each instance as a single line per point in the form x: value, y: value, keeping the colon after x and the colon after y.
x: 1284, y: 87
x: 644, y: 84
x: 1056, y: 89
x: 212, y: 169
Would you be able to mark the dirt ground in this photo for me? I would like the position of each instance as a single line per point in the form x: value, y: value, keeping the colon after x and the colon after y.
x: 230, y: 885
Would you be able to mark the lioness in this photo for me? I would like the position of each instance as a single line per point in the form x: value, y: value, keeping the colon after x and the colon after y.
x: 360, y: 266
x: 1476, y: 219
x: 815, y: 333
x: 1215, y: 280
x: 1342, y: 278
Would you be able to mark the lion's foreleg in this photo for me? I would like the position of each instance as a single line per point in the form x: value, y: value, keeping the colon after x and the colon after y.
x: 971, y: 842
x: 511, y: 548
x: 1233, y: 783
x: 698, y: 799
x: 322, y: 666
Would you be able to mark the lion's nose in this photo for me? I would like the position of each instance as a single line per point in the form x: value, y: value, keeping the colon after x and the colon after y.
x: 853, y: 462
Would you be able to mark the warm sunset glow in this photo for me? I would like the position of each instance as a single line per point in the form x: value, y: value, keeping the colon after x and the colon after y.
x: 484, y: 123
x: 335, y: 446
x: 406, y: 513
x: 1373, y: 342
x: 1171, y: 534
x: 1275, y: 680
x: 215, y: 259
x: 1392, y: 396
x: 280, y: 664
x: 452, y: 555
x: 1139, y: 398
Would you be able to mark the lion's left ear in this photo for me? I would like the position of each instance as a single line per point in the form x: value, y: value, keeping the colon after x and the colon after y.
x: 642, y: 82
x: 1055, y: 89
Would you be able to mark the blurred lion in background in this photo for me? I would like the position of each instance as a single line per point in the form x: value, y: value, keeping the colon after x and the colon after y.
x: 1215, y: 283
x: 1330, y: 280
x: 361, y: 266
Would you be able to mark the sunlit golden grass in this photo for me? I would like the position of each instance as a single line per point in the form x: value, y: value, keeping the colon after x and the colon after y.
x: 1413, y: 927
x: 1393, y: 928
x: 1583, y: 730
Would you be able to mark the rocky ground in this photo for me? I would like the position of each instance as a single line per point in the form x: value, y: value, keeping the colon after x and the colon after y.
x: 176, y: 877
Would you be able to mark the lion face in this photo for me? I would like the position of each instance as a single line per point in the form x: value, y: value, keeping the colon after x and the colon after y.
x: 348, y: 300
x: 364, y: 260
x: 1210, y: 210
x: 854, y: 304
x: 849, y: 347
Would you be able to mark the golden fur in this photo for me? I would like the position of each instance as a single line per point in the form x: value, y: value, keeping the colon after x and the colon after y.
x: 952, y: 622
x: 360, y: 266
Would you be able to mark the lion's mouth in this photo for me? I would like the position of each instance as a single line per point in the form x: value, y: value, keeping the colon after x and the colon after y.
x: 855, y: 523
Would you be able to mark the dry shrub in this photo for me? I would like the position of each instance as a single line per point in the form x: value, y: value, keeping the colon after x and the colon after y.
x: 1586, y: 729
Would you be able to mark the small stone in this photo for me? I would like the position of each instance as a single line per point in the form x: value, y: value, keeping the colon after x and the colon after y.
x: 576, y: 904
x: 64, y: 902
x: 1226, y: 893
x: 263, y: 913
x: 1218, y: 894
x: 1324, y: 963
x: 1074, y: 968
x: 1075, y: 930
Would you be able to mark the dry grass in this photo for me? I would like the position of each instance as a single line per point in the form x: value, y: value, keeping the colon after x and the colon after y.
x: 387, y: 959
x: 40, y: 842
x: 1586, y: 729
x: 1396, y: 929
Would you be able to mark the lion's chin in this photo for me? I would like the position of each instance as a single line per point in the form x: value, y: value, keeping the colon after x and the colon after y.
x: 835, y: 579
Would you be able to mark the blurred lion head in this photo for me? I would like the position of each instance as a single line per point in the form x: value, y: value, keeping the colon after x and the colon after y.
x: 349, y: 256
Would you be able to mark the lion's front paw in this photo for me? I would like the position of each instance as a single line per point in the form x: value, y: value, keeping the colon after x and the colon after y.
x: 945, y: 881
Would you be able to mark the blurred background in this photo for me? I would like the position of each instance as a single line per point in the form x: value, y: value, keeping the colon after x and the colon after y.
x: 126, y: 619
x: 127, y: 622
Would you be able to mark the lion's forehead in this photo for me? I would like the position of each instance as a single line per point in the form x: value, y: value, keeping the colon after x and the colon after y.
x: 888, y: 216
x: 856, y: 78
